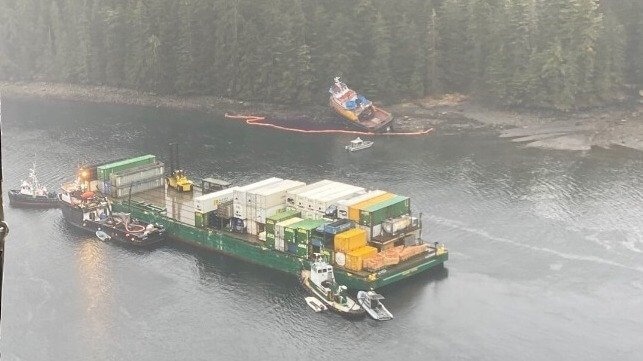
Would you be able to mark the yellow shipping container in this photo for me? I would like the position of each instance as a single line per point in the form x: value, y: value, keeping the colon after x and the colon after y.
x: 353, y: 211
x: 355, y: 259
x: 349, y: 240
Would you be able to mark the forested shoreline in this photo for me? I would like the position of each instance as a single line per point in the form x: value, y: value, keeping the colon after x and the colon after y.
x: 560, y: 54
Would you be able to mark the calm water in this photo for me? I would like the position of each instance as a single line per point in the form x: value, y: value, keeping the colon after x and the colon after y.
x: 546, y: 250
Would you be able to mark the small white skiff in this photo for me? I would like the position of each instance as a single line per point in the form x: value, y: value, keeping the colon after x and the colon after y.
x: 316, y: 304
x: 372, y: 303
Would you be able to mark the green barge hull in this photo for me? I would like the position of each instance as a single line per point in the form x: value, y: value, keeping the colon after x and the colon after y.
x: 248, y: 249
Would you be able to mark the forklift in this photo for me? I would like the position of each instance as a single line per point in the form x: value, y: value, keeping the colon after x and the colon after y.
x: 177, y: 178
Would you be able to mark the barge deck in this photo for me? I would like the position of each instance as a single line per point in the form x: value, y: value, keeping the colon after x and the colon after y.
x: 176, y: 212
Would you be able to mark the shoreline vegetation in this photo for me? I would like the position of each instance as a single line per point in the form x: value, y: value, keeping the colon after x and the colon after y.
x: 618, y: 125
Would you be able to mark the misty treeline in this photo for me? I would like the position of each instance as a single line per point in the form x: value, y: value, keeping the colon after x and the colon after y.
x: 553, y: 53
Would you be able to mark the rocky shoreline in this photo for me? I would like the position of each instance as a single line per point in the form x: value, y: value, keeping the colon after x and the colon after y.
x: 619, y: 125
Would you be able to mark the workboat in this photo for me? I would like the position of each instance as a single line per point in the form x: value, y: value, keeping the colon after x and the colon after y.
x: 372, y: 303
x: 92, y: 212
x: 358, y: 111
x: 358, y: 144
x: 32, y: 193
x: 315, y: 304
x: 320, y: 282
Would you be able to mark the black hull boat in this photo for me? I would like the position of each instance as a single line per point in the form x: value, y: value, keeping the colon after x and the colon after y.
x: 32, y: 194
x: 95, y: 216
x: 18, y: 199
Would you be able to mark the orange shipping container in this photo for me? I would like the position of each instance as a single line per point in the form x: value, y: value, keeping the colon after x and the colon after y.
x: 350, y: 240
x: 353, y: 211
x: 354, y: 259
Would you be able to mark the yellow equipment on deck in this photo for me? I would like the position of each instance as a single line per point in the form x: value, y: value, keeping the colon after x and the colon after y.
x: 177, y: 179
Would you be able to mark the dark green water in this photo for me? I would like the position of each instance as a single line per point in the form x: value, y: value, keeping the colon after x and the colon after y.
x: 546, y: 250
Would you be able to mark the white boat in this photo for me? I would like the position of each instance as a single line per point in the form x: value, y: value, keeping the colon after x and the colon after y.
x: 372, y: 303
x: 320, y: 282
x: 358, y: 144
x: 315, y: 304
x: 103, y: 236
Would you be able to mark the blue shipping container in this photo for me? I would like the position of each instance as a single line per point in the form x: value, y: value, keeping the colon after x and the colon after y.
x: 292, y: 247
x: 338, y: 226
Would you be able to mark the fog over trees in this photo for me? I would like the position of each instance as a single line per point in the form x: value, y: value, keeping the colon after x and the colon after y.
x: 553, y: 53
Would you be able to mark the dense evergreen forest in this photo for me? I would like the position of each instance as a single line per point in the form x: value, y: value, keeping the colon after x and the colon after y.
x: 552, y: 53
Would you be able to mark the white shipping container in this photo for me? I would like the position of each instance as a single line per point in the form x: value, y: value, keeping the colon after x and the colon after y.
x: 280, y: 244
x: 239, y: 195
x: 312, y: 199
x: 210, y: 202
x: 371, y: 232
x: 260, y: 214
x: 322, y: 202
x: 291, y: 194
x: 239, y: 210
x: 279, y: 227
x: 273, y: 194
x: 138, y: 174
x: 301, y: 198
x: 342, y: 205
x: 252, y: 227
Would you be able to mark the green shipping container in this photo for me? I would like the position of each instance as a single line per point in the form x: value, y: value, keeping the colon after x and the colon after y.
x: 390, y: 208
x: 289, y: 234
x: 302, y: 250
x: 306, y: 229
x: 270, y: 240
x: 104, y: 171
x: 200, y: 219
x: 280, y: 217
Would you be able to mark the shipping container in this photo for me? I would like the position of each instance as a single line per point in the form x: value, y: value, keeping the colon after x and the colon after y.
x: 119, y: 192
x: 322, y: 203
x: 312, y: 201
x: 302, y: 250
x: 292, y: 247
x: 396, y: 225
x: 337, y: 227
x: 225, y: 210
x: 253, y: 227
x: 342, y: 205
x: 355, y: 258
x: 270, y: 240
x: 262, y: 236
x: 137, y: 174
x: 390, y: 208
x: 304, y: 201
x: 104, y: 171
x: 291, y: 195
x: 306, y: 229
x: 349, y: 240
x: 371, y: 231
x: 280, y: 244
x: 273, y: 194
x: 201, y: 219
x: 353, y: 211
x: 280, y: 217
x: 239, y: 194
x: 280, y: 227
x: 210, y: 202
x: 260, y: 214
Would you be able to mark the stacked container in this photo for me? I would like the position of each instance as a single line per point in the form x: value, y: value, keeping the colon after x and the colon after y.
x: 354, y: 210
x: 137, y: 174
x: 292, y: 196
x: 342, y: 205
x: 268, y: 200
x: 355, y: 258
x: 350, y: 240
x: 271, y: 223
x: 280, y: 238
x: 239, y: 196
x: 375, y: 214
x: 211, y: 201
x: 104, y: 171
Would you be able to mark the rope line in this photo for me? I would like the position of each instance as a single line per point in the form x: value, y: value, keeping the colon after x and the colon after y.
x: 259, y: 121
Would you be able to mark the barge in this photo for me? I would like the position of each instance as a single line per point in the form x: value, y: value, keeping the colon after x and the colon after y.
x: 177, y: 214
